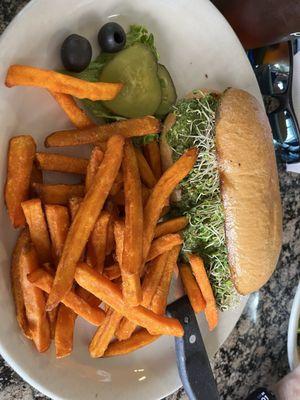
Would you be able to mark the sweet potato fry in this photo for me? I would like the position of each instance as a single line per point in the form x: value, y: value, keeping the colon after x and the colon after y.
x: 146, y: 173
x: 125, y: 329
x: 58, y: 194
x: 127, y: 128
x: 152, y: 153
x: 119, y: 240
x: 52, y: 317
x: 133, y: 229
x: 85, y: 220
x: 108, y: 312
x: 93, y: 165
x: 43, y: 280
x: 104, y: 334
x: 16, y: 283
x: 110, y: 241
x: 171, y: 226
x: 36, y: 177
x: 102, y: 145
x: 60, y: 163
x: 38, y: 228
x: 118, y: 282
x: 34, y: 300
x: 58, y: 222
x: 92, y: 300
x: 76, y: 115
x: 191, y: 288
x: 48, y: 268
x: 149, y: 288
x: 74, y: 203
x: 152, y: 278
x: 23, y: 75
x: 110, y: 293
x: 36, y: 174
x: 117, y: 185
x: 163, y: 244
x: 20, y: 158
x: 119, y: 198
x: 96, y: 248
x: 164, y: 211
x: 211, y: 312
x: 138, y: 340
x: 64, y: 331
x: 161, y: 192
x: 112, y: 272
x: 159, y: 300
x: 145, y: 194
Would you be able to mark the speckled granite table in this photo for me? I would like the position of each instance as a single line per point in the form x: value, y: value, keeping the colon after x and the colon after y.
x: 255, y: 352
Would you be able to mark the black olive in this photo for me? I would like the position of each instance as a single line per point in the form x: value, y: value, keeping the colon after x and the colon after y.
x: 76, y: 53
x: 111, y: 37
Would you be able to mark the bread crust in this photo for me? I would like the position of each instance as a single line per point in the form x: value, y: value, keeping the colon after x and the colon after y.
x: 249, y: 187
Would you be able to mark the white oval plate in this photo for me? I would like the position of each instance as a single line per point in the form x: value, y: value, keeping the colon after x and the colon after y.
x: 200, y: 50
x: 292, y: 346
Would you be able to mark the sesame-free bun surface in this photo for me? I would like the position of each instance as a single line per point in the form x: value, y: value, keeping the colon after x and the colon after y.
x: 250, y: 190
x: 249, y: 187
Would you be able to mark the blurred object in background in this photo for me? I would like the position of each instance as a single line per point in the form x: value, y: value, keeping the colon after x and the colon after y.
x: 259, y: 23
x: 261, y: 394
x: 274, y: 69
x: 288, y: 388
x: 272, y: 29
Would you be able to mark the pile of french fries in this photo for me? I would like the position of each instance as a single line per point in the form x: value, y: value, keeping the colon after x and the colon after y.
x: 101, y: 249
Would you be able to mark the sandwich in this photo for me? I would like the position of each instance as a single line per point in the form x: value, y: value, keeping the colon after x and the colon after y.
x: 231, y: 197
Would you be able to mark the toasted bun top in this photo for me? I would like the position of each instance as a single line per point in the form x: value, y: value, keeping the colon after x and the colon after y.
x: 250, y: 190
x: 249, y: 187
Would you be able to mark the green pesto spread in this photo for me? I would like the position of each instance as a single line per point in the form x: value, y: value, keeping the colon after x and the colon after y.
x: 200, y: 192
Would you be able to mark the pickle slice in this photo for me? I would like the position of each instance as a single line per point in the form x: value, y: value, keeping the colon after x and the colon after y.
x: 168, y: 91
x: 136, y: 67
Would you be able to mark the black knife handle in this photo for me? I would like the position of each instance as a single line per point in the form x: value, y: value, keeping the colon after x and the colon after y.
x: 192, y: 360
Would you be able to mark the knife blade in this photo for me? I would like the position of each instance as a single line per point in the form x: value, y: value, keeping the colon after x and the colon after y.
x: 192, y: 359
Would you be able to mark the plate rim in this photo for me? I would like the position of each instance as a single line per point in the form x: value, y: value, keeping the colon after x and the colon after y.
x: 293, y: 356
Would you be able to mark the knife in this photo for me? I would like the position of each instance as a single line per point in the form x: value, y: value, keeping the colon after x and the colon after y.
x: 192, y: 360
